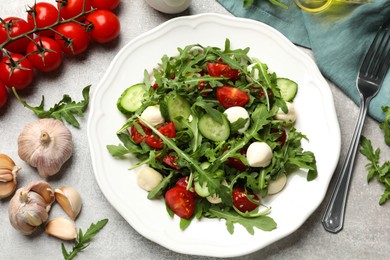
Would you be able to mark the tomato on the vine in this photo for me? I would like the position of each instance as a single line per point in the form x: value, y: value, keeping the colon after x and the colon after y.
x: 71, y: 8
x: 16, y: 26
x: 16, y: 72
x: 45, y: 54
x: 105, y: 4
x: 45, y: 14
x: 105, y: 26
x: 3, y: 95
x: 76, y: 38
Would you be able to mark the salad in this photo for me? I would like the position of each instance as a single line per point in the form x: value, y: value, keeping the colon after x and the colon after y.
x: 214, y: 133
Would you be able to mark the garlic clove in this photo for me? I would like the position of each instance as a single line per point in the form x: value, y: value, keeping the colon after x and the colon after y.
x: 44, y: 190
x: 8, y: 172
x: 45, y: 144
x: 6, y: 189
x: 61, y: 228
x: 69, y: 200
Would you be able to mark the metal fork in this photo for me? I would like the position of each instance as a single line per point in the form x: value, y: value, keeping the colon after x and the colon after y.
x: 370, y: 78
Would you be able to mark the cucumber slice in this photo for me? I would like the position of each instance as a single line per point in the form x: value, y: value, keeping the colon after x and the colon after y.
x: 178, y: 106
x: 288, y: 88
x: 201, y: 190
x: 213, y: 130
x: 131, y: 99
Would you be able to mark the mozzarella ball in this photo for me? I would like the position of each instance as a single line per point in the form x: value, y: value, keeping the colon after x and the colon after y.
x: 152, y: 115
x: 234, y: 113
x: 148, y: 178
x: 275, y: 186
x: 290, y: 116
x: 259, y: 154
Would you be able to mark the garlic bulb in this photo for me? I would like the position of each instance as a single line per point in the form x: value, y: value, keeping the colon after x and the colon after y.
x: 61, y: 228
x: 8, y: 172
x: 69, y: 200
x: 45, y: 144
x: 30, y: 205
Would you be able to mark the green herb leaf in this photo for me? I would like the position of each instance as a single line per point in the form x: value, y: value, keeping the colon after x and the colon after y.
x: 65, y: 109
x: 82, y: 240
x: 385, y: 125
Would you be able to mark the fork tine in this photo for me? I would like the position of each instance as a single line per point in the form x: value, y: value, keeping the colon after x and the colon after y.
x: 382, y: 55
x: 385, y: 61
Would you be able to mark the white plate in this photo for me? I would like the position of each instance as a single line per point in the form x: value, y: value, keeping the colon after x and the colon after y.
x: 314, y: 105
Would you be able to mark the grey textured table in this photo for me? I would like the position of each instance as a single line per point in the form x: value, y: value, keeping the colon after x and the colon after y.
x: 366, y: 234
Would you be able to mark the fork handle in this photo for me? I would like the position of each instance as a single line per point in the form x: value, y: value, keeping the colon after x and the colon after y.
x: 333, y: 218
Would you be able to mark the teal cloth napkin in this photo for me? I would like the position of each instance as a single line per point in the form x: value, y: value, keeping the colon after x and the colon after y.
x: 339, y: 38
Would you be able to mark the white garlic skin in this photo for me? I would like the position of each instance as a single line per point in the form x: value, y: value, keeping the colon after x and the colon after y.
x: 259, y: 154
x: 30, y: 205
x: 69, y: 200
x: 290, y: 116
x: 148, y: 178
x: 61, y: 228
x: 45, y: 144
x: 152, y: 115
x: 8, y: 173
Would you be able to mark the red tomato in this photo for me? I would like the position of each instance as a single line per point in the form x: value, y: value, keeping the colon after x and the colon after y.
x: 217, y: 69
x: 71, y: 8
x: 45, y: 15
x: 105, y: 26
x: 136, y: 136
x: 3, y: 95
x: 105, y: 4
x: 282, y: 138
x: 17, y: 72
x: 76, y: 38
x: 45, y: 55
x: 259, y: 92
x: 231, y: 96
x: 171, y: 160
x: 156, y: 142
x: 180, y: 201
x: 241, y: 200
x: 237, y: 163
x: 17, y: 26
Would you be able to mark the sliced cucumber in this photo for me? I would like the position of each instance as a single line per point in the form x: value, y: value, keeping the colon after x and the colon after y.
x: 131, y: 99
x: 213, y: 130
x: 288, y: 88
x: 201, y: 190
x: 178, y: 106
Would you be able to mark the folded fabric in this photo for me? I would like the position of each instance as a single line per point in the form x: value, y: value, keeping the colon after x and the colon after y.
x: 339, y: 38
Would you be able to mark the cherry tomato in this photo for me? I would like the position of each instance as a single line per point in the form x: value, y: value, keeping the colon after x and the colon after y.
x: 183, y: 182
x: 77, y: 39
x: 17, y: 72
x: 217, y: 69
x: 105, y: 4
x: 237, y: 163
x: 3, y: 95
x: 45, y: 15
x: 17, y: 26
x: 156, y: 142
x: 45, y: 55
x: 71, y: 8
x: 180, y: 201
x: 171, y: 161
x: 283, y: 136
x: 136, y: 136
x: 241, y: 200
x: 259, y: 92
x: 230, y: 96
x: 105, y: 26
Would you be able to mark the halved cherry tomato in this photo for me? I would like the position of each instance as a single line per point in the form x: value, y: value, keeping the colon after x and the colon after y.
x: 283, y: 136
x: 259, y: 92
x: 237, y: 163
x: 183, y: 182
x: 230, y: 96
x: 16, y: 72
x: 180, y: 201
x: 71, y: 8
x: 3, y: 95
x: 105, y: 26
x: 105, y: 4
x: 136, y: 136
x: 45, y: 55
x: 171, y: 160
x: 217, y: 69
x: 156, y: 142
x: 76, y: 38
x: 241, y: 200
x: 16, y: 26
x: 45, y: 15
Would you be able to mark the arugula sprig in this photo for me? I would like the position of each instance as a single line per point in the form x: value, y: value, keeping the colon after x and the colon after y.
x: 65, y: 109
x: 83, y: 239
x: 248, y: 3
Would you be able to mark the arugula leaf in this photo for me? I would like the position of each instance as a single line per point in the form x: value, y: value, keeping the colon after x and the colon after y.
x: 381, y: 172
x: 385, y: 125
x: 83, y: 240
x: 65, y: 109
x: 248, y: 3
x: 261, y: 222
